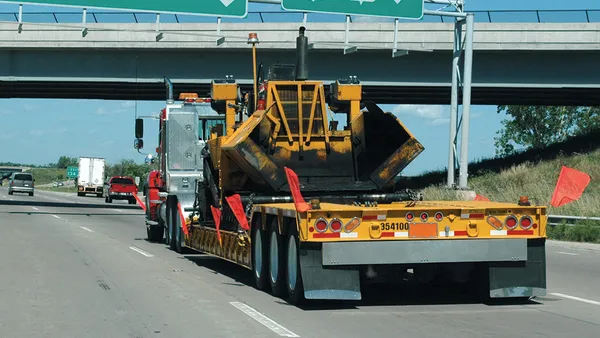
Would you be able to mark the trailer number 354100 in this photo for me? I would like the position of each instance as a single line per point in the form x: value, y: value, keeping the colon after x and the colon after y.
x: 395, y: 226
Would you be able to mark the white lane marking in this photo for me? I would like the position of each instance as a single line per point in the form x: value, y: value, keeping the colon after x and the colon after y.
x: 117, y: 210
x: 4, y: 196
x: 34, y: 208
x: 593, y: 302
x: 567, y: 253
x: 264, y: 320
x: 87, y: 229
x: 140, y: 251
x: 55, y: 216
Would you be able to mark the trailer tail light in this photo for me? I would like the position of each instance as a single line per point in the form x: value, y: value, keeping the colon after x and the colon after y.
x: 409, y: 216
x: 353, y: 224
x: 526, y: 222
x: 424, y: 216
x: 511, y: 222
x: 335, y: 225
x: 495, y: 222
x: 438, y: 216
x: 321, y: 225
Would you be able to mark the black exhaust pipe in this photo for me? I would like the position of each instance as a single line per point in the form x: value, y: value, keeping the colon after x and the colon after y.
x: 301, y: 56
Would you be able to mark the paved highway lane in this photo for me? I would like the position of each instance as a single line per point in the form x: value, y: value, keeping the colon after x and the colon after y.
x: 156, y: 292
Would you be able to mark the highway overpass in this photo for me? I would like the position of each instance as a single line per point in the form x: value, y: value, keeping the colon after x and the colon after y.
x: 514, y: 63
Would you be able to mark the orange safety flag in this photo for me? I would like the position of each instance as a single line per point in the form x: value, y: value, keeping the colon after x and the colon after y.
x: 139, y: 202
x: 216, y: 213
x: 569, y: 187
x: 235, y: 202
x: 183, y: 224
x: 481, y: 198
x: 294, y: 183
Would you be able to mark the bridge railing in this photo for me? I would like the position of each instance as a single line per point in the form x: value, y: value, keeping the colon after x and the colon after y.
x: 489, y: 16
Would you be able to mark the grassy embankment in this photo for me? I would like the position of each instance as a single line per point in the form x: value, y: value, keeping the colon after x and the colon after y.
x: 533, y: 174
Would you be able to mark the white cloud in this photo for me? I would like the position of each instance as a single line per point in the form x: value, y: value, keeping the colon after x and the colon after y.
x: 435, y: 115
x: 29, y: 107
x: 37, y: 132
x: 128, y: 104
x: 101, y: 111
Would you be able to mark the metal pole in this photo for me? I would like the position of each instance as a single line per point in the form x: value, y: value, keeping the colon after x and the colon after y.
x: 454, y: 103
x: 468, y: 68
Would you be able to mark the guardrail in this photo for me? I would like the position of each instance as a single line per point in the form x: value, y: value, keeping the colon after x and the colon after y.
x: 555, y: 220
x: 489, y: 16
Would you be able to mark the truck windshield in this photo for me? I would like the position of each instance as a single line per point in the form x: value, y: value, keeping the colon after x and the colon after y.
x: 205, y: 126
x: 121, y: 180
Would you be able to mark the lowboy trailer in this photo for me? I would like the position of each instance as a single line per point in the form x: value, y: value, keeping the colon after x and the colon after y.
x: 267, y: 181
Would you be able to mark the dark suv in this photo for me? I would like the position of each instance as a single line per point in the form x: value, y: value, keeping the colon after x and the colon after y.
x: 21, y: 182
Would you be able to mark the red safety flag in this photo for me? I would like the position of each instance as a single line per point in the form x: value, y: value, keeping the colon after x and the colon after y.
x: 235, y: 202
x: 294, y: 183
x: 139, y: 202
x: 183, y: 224
x: 216, y: 213
x: 481, y: 198
x: 569, y: 187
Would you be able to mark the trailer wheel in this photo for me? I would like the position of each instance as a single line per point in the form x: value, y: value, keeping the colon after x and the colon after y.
x: 276, y: 261
x: 259, y: 255
x: 293, y: 272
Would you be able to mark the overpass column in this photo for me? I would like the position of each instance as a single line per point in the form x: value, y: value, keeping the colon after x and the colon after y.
x: 452, y: 150
x: 468, y: 67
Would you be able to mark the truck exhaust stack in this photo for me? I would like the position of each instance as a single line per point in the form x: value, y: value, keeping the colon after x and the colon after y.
x: 301, y: 56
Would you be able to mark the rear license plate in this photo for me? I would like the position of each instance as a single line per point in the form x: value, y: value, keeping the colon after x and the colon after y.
x: 26, y: 185
x: 423, y: 230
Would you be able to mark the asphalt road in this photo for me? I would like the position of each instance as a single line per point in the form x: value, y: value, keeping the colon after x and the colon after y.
x: 77, y: 267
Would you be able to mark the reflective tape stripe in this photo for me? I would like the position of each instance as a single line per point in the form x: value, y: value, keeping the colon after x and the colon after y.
x: 498, y: 232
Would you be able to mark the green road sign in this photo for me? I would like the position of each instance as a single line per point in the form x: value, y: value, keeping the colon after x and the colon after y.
x: 72, y: 172
x: 225, y: 8
x: 405, y: 9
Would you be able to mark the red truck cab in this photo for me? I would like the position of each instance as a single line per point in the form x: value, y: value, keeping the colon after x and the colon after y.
x: 121, y: 188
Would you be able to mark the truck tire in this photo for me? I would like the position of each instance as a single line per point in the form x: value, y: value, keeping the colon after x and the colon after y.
x: 171, y: 221
x: 167, y: 228
x: 276, y: 261
x: 260, y: 254
x: 178, y: 234
x: 293, y: 274
x: 108, y: 199
x: 155, y: 233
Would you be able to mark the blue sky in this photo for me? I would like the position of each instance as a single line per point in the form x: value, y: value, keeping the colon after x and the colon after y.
x: 39, y: 131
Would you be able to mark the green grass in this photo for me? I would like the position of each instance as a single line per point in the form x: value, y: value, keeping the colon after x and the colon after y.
x: 537, y: 180
x: 59, y: 189
x: 48, y: 175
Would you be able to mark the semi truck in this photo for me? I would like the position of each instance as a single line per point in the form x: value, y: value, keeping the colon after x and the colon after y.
x: 90, y: 179
x: 269, y: 181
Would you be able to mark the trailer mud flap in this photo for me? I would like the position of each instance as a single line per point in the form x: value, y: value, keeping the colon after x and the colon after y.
x: 520, y: 279
x: 321, y: 283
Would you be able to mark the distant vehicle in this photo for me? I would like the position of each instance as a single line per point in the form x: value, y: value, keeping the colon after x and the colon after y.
x: 91, y: 176
x: 21, y: 182
x: 120, y: 188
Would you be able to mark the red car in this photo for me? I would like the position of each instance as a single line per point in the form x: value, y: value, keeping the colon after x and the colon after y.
x: 121, y: 188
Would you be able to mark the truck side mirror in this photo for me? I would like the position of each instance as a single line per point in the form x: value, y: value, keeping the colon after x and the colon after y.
x: 138, y: 143
x: 139, y: 128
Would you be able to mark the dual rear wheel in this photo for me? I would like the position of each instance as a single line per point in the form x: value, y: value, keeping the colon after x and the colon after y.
x: 275, y: 261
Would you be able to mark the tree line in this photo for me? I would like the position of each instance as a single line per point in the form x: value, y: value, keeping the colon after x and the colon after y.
x: 536, y: 127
